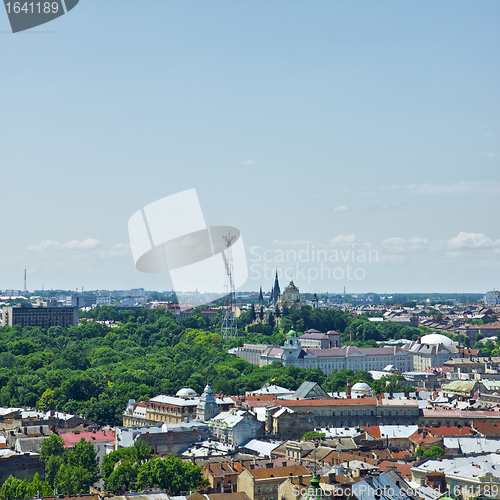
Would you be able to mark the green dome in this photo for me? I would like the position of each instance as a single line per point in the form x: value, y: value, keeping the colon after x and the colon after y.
x: 291, y: 333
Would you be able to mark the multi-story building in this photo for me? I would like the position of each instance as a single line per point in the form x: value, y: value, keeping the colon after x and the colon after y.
x: 431, y: 350
x: 174, y: 409
x: 236, y: 426
x: 456, y: 417
x: 263, y: 484
x: 466, y: 477
x: 43, y: 317
x: 335, y: 358
x: 492, y: 298
x: 222, y: 477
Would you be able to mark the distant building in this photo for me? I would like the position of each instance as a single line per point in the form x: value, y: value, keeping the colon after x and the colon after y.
x: 170, y: 409
x: 431, y: 351
x: 492, y: 298
x: 275, y: 291
x: 236, y: 426
x: 99, y: 439
x: 103, y: 300
x: 264, y: 483
x: 43, y: 317
x: 207, y: 408
x: 333, y: 358
x: 291, y: 297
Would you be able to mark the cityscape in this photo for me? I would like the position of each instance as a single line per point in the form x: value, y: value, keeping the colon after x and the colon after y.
x: 250, y: 250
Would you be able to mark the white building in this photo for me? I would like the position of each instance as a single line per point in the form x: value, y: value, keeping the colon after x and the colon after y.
x: 336, y: 358
x: 466, y: 476
x: 492, y: 298
x: 236, y: 427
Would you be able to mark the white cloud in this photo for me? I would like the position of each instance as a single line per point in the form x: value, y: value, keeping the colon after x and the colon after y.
x: 44, y: 244
x: 50, y: 245
x: 340, y: 208
x: 472, y: 240
x: 248, y: 162
x: 88, y: 244
x: 490, y: 155
x: 343, y: 238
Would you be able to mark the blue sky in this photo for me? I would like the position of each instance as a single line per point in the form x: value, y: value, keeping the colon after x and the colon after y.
x: 339, y: 125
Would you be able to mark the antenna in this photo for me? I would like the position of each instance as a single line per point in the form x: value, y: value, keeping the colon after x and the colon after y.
x: 229, y: 326
x: 24, y: 280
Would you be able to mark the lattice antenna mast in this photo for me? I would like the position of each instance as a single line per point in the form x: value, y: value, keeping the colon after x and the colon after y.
x: 25, y: 289
x: 229, y: 327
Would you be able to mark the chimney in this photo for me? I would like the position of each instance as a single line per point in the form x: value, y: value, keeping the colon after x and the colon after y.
x: 300, y: 480
x: 348, y: 389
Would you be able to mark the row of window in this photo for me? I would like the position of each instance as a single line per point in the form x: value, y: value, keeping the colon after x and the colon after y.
x: 348, y: 413
x: 267, y: 489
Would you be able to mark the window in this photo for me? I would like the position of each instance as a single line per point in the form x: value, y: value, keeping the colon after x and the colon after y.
x: 267, y: 489
x: 276, y: 488
x: 259, y: 490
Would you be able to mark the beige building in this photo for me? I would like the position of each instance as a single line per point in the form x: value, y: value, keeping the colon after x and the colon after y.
x: 291, y: 297
x: 171, y: 409
x: 263, y: 484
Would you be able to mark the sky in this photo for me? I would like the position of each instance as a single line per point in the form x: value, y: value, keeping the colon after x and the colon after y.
x: 366, y: 131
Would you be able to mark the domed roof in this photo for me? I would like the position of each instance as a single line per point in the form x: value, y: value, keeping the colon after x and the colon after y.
x: 361, y: 387
x: 436, y: 338
x: 186, y: 392
x: 291, y: 333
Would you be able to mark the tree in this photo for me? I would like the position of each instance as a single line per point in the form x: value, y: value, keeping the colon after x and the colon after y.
x: 433, y: 451
x: 46, y: 401
x: 52, y: 466
x: 122, y: 478
x: 85, y: 456
x: 52, y: 446
x: 261, y: 313
x: 313, y: 435
x: 253, y: 315
x: 170, y: 474
x: 270, y: 320
x: 71, y: 480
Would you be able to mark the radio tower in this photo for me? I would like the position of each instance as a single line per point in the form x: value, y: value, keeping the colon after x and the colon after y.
x: 229, y: 327
x: 24, y: 280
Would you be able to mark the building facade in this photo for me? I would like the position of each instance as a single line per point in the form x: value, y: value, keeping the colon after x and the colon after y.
x: 43, y: 317
x: 335, y: 358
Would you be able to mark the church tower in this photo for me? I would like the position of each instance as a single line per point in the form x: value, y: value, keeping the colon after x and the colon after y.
x: 261, y: 297
x: 275, y: 290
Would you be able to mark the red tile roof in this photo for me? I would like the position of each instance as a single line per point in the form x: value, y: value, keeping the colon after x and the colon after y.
x: 451, y: 431
x: 487, y: 428
x: 404, y: 470
x: 71, y: 438
x: 372, y: 430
